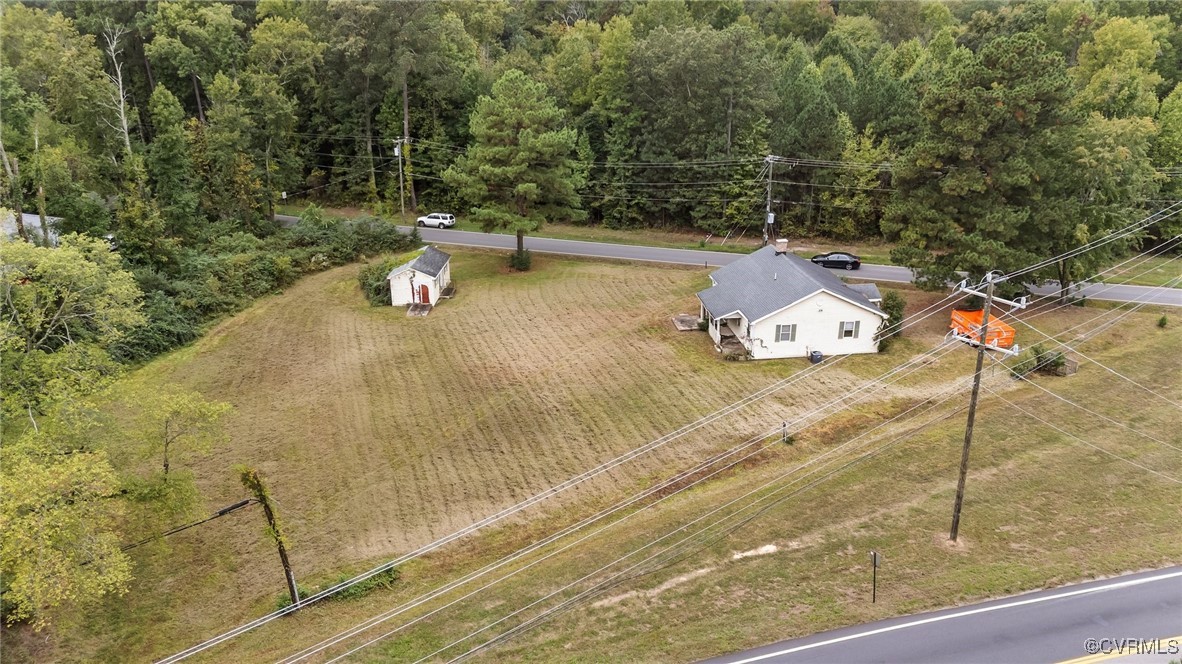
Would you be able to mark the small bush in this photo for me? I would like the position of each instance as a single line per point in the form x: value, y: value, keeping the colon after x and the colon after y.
x: 1163, y: 321
x: 284, y: 600
x: 383, y: 580
x: 521, y: 261
x: 167, y: 326
x: 373, y: 283
x: 1038, y: 359
x: 703, y: 324
x: 893, y: 305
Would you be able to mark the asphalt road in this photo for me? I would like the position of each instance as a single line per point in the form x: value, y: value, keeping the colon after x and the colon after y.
x: 1043, y: 626
x: 877, y: 273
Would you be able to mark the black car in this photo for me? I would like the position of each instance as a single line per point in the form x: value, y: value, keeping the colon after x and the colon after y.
x: 838, y: 259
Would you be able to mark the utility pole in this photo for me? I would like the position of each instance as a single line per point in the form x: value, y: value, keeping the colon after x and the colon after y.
x: 771, y: 218
x: 982, y: 342
x: 270, y: 192
x: 401, y: 188
x: 253, y: 483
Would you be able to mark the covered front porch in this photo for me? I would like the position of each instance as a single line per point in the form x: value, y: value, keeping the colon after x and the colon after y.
x: 726, y: 331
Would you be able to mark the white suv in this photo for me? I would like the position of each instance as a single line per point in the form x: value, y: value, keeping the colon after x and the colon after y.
x: 438, y: 220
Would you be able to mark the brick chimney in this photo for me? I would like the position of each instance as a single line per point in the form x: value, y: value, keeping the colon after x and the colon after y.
x: 781, y: 246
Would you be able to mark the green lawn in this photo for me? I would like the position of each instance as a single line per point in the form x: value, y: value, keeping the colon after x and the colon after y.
x: 1157, y: 271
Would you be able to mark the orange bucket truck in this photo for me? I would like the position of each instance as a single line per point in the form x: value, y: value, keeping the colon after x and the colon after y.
x: 967, y: 325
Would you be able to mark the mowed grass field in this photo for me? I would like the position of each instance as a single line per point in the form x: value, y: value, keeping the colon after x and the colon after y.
x: 378, y: 433
x: 1092, y: 492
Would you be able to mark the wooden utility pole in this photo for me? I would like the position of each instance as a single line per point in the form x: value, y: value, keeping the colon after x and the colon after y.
x: 768, y: 220
x: 982, y: 345
x: 253, y: 483
x: 401, y: 189
x: 968, y: 429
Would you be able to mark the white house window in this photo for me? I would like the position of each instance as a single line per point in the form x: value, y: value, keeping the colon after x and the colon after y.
x: 786, y: 332
x: 848, y: 330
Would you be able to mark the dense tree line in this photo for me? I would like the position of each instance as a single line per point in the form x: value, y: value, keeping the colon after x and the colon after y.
x: 976, y: 134
x: 167, y: 123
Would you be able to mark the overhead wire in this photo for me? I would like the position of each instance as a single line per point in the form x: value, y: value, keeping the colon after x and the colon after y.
x: 601, y: 585
x: 1081, y: 440
x: 542, y: 496
x: 1160, y: 215
x: 382, y: 617
x: 912, y: 365
x: 437, y: 652
x: 583, y: 595
x: 1028, y: 381
x: 338, y: 587
x: 793, y: 470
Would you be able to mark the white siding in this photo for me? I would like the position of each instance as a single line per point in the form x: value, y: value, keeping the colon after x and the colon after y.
x: 817, y: 319
x: 400, y: 285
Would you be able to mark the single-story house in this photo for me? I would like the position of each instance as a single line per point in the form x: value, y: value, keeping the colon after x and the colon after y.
x: 421, y: 280
x: 777, y: 304
x: 32, y: 222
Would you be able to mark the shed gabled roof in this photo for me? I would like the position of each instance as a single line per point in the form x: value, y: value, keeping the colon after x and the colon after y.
x: 429, y: 262
x: 764, y: 282
x: 869, y: 290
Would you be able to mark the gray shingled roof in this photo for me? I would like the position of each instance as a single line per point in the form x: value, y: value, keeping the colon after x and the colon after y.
x: 869, y: 290
x: 765, y: 282
x: 431, y: 262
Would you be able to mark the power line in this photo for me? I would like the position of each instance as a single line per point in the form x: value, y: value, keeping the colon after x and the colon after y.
x: 537, y: 498
x: 617, y: 576
x: 780, y: 477
x: 1102, y: 416
x: 448, y: 587
x: 1081, y: 440
x: 452, y: 585
x: 832, y: 186
x: 538, y: 618
x: 495, y: 639
x: 493, y: 518
x: 1160, y: 215
x: 912, y: 365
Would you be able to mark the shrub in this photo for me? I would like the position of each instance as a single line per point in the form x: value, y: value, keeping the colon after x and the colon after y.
x: 703, y: 324
x: 893, y: 305
x: 1038, y: 359
x: 384, y: 579
x: 283, y: 601
x: 225, y: 275
x: 520, y: 261
x: 1163, y: 321
x: 168, y: 325
x: 372, y: 280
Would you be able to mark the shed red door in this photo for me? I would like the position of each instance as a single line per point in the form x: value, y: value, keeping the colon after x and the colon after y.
x: 424, y: 294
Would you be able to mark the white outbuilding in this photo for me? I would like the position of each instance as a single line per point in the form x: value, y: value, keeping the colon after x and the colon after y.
x: 422, y: 280
x: 776, y: 304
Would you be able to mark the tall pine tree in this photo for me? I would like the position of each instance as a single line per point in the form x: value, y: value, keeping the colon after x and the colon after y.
x: 519, y: 172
